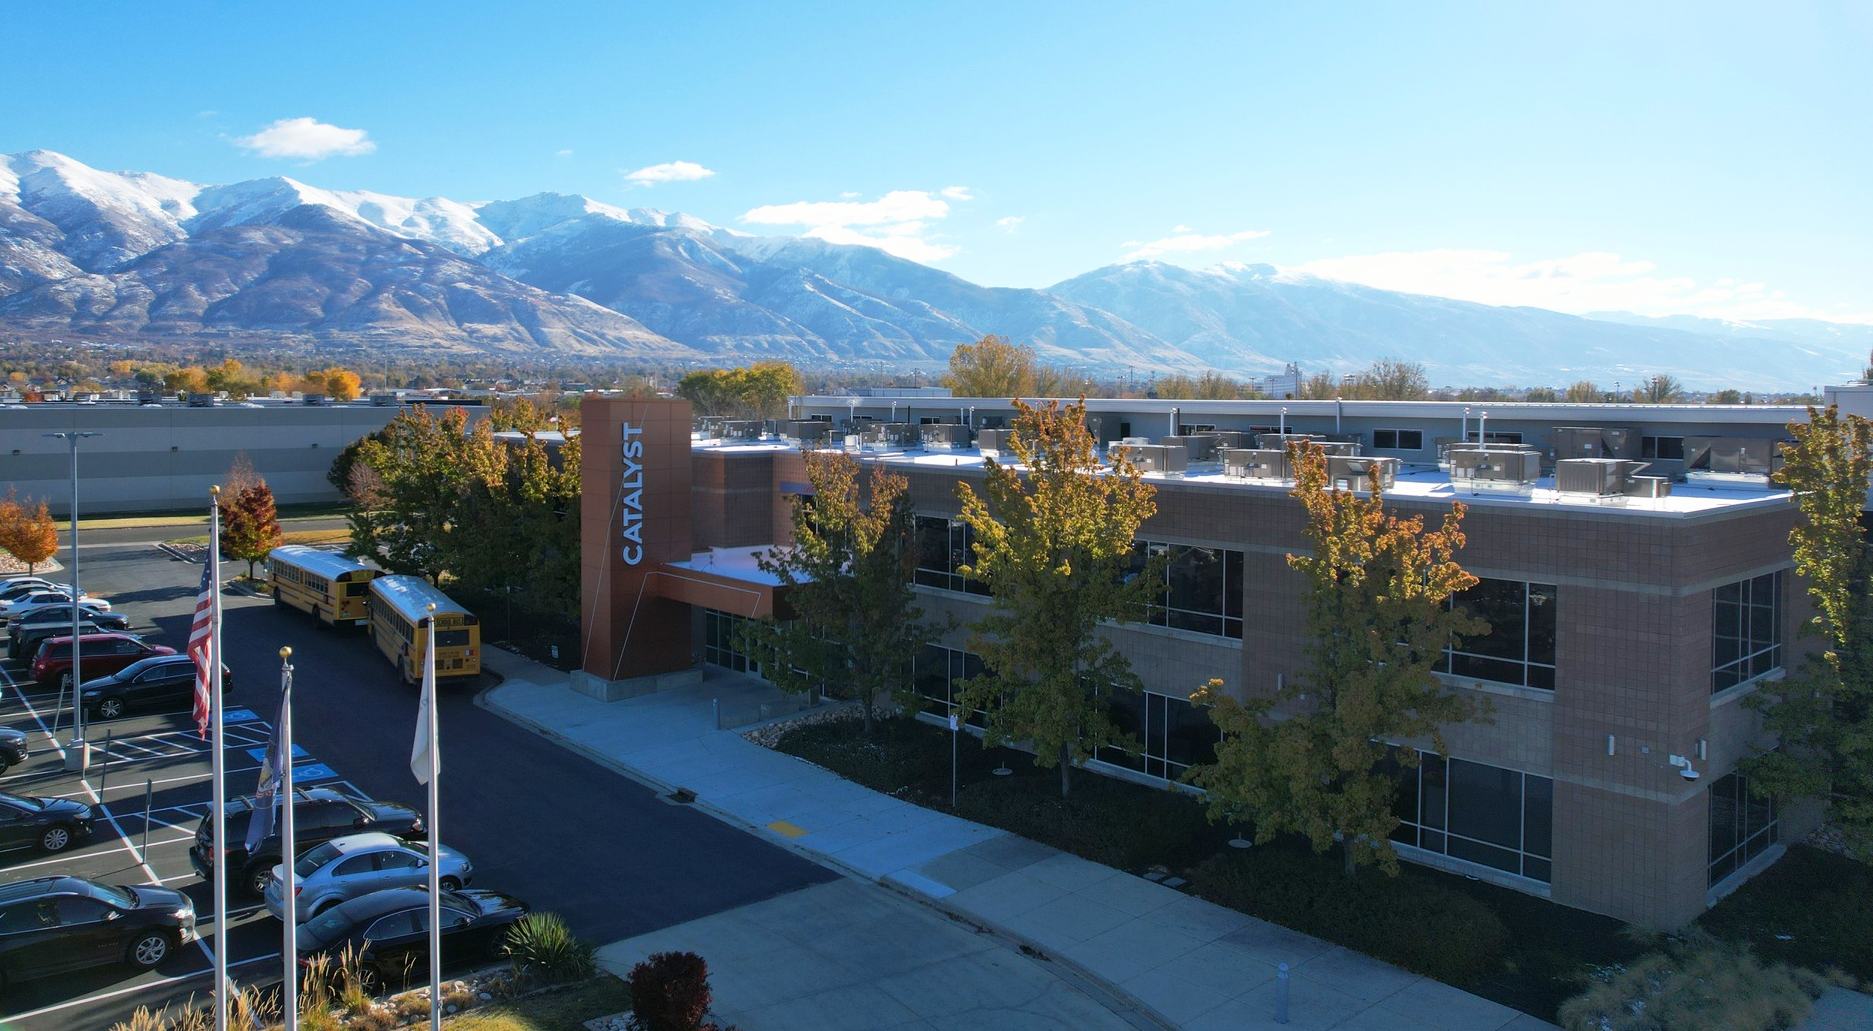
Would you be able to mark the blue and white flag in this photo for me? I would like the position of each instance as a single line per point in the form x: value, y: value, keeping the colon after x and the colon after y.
x: 272, y: 771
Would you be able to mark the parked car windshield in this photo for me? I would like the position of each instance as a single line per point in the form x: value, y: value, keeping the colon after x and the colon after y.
x: 31, y: 805
x: 119, y: 897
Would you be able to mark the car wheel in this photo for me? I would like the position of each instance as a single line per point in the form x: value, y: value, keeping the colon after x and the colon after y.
x: 111, y: 708
x: 256, y: 879
x: 149, y: 949
x: 450, y: 884
x: 57, y: 838
x: 3, y: 765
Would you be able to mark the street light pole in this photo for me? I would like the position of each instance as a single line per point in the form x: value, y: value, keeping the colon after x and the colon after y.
x: 77, y: 751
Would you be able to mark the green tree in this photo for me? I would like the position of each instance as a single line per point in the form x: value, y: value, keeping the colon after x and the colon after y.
x: 418, y: 476
x: 1727, y: 397
x: 1823, y: 715
x: 1054, y: 544
x: 991, y: 367
x: 1319, y: 386
x: 760, y: 390
x: 1378, y: 590
x: 1584, y: 392
x: 1541, y: 394
x: 847, y: 573
x: 1392, y: 379
x: 1659, y: 389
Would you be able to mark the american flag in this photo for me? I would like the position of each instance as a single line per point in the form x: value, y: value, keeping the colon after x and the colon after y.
x: 202, y: 648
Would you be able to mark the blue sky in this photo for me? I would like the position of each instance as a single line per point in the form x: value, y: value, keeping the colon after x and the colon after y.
x: 1658, y: 157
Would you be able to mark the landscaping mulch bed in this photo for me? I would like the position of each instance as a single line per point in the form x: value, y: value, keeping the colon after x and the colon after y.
x: 1812, y: 908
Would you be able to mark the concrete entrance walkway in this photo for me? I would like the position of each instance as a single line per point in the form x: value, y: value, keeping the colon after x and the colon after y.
x: 845, y: 956
x: 1184, y: 962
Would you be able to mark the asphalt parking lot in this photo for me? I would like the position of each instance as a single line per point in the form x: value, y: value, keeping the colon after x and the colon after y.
x: 538, y: 821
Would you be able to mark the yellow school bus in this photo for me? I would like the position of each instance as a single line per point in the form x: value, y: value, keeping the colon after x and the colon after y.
x: 398, y: 606
x: 328, y: 585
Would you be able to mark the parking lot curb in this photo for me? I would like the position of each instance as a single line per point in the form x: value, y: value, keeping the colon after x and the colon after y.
x: 1109, y: 995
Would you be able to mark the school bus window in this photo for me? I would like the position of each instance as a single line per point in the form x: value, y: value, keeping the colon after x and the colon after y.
x: 451, y: 638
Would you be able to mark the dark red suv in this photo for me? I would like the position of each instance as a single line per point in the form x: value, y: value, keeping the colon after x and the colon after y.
x: 101, y: 654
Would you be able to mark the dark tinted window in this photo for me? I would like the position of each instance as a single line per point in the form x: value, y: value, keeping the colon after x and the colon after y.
x: 396, y: 925
x: 75, y: 910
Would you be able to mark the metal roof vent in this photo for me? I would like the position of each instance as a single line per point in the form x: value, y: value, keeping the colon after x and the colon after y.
x: 1156, y: 459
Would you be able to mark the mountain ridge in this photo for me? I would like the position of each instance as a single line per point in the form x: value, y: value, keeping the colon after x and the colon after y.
x: 138, y: 255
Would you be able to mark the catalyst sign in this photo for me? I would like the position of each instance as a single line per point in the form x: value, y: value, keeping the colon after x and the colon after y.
x: 631, y: 489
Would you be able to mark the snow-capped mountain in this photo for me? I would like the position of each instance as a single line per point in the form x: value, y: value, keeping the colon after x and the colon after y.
x: 115, y: 255
x: 1236, y: 315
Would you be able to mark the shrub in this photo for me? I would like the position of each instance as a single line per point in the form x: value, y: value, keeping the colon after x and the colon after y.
x: 670, y: 992
x: 1697, y: 984
x: 1114, y: 822
x: 1401, y: 919
x: 545, y: 949
x: 1810, y: 909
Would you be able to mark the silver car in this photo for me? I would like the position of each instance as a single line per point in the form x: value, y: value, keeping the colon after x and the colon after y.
x: 345, y: 868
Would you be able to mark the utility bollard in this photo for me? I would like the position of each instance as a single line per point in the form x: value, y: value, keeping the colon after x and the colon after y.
x: 104, y: 766
x: 1281, y: 994
x: 149, y: 796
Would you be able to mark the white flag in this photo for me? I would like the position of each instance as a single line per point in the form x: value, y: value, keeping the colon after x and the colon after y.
x: 421, y: 761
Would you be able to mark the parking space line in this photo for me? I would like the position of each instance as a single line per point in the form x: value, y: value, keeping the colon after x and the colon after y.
x: 65, y: 857
x: 123, y: 839
x: 127, y: 989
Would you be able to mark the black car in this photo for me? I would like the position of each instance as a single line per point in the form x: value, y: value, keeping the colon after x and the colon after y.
x: 389, y: 930
x: 48, y: 824
x: 51, y: 925
x: 34, y: 630
x: 319, y: 815
x: 162, y: 683
x: 12, y: 748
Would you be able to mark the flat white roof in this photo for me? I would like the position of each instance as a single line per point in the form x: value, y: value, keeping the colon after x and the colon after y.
x: 1416, y: 482
x: 736, y: 563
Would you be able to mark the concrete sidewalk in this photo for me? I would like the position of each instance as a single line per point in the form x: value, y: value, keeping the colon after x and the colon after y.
x: 1186, y: 962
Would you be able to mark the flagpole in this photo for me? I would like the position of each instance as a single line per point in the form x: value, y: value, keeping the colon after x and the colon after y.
x: 435, y: 846
x: 289, y: 1002
x: 219, y: 771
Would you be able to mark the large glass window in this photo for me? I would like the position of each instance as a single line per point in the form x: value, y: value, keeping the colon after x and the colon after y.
x: 1742, y: 825
x: 721, y: 641
x: 1519, y: 649
x: 1202, y: 588
x: 944, y: 545
x: 1483, y: 814
x: 937, y: 675
x: 1174, y: 735
x: 1746, y: 630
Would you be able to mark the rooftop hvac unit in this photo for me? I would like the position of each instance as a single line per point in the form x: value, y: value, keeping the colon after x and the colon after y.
x: 1347, y: 472
x: 740, y: 429
x: 201, y: 400
x: 1743, y: 461
x: 383, y: 400
x: 1507, y: 468
x: 1605, y: 480
x: 1134, y: 441
x: 1156, y: 458
x: 1256, y: 464
x: 993, y: 442
x: 1280, y: 441
x: 810, y: 431
x: 896, y: 434
x: 1595, y: 442
x: 1202, y: 446
x: 1233, y: 439
x: 946, y: 436
x: 311, y: 399
x: 148, y: 397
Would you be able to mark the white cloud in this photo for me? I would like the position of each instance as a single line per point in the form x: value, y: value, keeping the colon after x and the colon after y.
x: 565, y: 153
x: 1182, y: 229
x: 1187, y: 241
x: 1586, y: 282
x: 668, y: 172
x: 957, y: 193
x: 1011, y: 222
x: 896, y: 222
x: 307, y: 139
